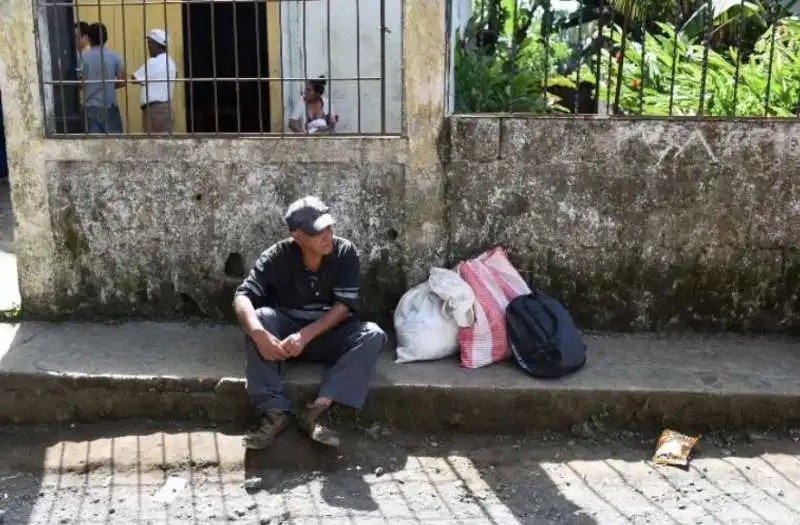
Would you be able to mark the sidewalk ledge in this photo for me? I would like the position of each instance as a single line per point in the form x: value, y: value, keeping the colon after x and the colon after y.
x: 60, y: 372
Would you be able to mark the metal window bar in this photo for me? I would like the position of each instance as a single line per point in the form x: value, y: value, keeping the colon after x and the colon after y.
x: 610, y: 72
x: 773, y: 19
x: 383, y: 33
x: 305, y: 62
x: 672, y: 75
x: 329, y: 57
x: 598, y: 59
x: 448, y: 26
x: 621, y: 63
x: 643, y: 66
x: 511, y: 106
x: 125, y: 59
x: 546, y: 19
x: 708, y: 19
x: 739, y: 39
x: 358, y: 62
x: 84, y: 110
x: 283, y: 82
x: 213, y: 5
x: 259, y: 47
x: 234, y: 100
x: 577, y: 102
x: 60, y: 70
x: 236, y: 69
x: 188, y: 67
x: 102, y: 35
x: 147, y: 120
x: 171, y: 120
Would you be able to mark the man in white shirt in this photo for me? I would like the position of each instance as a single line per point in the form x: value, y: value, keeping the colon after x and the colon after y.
x: 156, y: 79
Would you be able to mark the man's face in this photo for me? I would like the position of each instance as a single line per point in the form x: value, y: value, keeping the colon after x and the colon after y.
x: 320, y: 244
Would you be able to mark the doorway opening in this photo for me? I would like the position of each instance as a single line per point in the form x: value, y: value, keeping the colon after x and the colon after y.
x: 210, y: 37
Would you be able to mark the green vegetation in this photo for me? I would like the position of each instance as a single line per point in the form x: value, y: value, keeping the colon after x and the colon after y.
x: 649, y: 56
x: 501, y: 69
x: 10, y: 315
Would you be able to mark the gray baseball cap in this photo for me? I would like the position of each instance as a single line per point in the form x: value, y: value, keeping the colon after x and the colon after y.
x: 308, y: 214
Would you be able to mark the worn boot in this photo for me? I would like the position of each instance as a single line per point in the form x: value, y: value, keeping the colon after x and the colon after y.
x: 272, y: 423
x: 310, y: 421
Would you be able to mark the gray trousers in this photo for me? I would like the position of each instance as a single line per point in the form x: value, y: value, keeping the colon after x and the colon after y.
x: 350, y: 351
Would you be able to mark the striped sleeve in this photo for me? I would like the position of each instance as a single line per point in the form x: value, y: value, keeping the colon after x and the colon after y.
x: 346, y: 283
x: 258, y: 284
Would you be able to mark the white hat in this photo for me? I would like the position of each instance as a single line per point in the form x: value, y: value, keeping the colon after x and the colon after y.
x: 159, y: 36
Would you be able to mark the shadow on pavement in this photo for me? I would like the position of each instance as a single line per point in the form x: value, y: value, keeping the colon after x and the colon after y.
x: 76, y: 474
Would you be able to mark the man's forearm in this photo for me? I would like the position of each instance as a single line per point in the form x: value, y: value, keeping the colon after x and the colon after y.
x: 334, y: 317
x: 247, y: 317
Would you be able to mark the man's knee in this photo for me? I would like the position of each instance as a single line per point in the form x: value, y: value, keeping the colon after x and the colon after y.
x: 374, y: 338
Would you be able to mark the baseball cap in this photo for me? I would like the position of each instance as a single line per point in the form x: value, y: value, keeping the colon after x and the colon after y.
x: 159, y: 36
x: 308, y: 214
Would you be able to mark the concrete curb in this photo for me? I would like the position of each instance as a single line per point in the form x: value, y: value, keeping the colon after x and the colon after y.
x: 49, y: 398
x: 61, y: 372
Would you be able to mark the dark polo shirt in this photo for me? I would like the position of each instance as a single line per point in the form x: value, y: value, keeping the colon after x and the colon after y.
x: 280, y: 280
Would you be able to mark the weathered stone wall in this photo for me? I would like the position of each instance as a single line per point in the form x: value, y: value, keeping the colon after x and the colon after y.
x: 637, y: 224
x: 168, y: 227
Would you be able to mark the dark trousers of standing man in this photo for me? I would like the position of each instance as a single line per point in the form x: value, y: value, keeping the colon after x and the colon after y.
x: 350, y: 350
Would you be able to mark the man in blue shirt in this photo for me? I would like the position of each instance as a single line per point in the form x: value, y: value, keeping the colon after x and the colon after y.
x: 299, y: 303
x: 103, y: 73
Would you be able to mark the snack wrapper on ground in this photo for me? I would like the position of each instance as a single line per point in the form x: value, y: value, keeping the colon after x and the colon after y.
x: 674, y: 448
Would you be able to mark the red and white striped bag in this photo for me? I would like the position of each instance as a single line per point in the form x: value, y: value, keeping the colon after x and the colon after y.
x: 495, y: 282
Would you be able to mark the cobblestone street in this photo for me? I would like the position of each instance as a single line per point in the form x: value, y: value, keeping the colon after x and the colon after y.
x: 151, y: 473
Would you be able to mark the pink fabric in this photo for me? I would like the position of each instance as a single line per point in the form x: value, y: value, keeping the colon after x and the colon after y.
x: 508, y: 278
x: 495, y: 283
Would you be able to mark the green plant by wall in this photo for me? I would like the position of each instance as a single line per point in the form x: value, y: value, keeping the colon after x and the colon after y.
x: 510, y: 73
x: 756, y: 90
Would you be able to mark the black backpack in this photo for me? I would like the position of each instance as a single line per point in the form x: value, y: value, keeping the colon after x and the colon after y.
x: 543, y: 337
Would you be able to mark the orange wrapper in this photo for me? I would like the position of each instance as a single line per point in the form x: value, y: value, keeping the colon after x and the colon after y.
x: 674, y: 448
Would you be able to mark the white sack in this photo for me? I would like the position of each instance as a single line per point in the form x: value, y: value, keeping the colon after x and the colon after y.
x: 427, y: 317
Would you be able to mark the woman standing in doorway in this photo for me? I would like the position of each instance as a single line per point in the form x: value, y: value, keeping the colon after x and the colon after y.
x: 312, y: 112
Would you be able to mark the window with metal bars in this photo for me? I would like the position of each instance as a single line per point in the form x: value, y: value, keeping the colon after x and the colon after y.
x: 221, y: 67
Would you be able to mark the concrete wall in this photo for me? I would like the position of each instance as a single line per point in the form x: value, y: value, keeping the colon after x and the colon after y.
x: 149, y: 229
x: 644, y: 224
x: 311, y: 48
x: 635, y: 225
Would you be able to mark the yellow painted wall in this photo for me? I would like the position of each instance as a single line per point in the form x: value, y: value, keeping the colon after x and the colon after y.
x: 275, y: 67
x: 127, y: 26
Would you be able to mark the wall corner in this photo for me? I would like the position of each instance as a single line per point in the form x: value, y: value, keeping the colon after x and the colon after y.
x: 424, y: 64
x: 24, y: 123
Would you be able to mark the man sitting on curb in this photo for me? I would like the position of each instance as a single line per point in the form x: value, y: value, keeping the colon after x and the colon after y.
x: 298, y: 304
